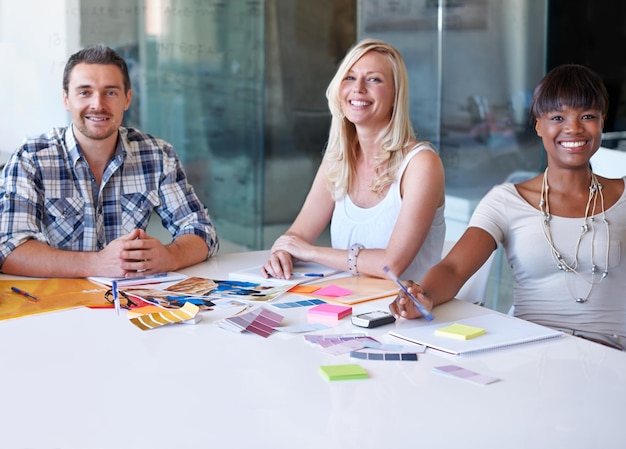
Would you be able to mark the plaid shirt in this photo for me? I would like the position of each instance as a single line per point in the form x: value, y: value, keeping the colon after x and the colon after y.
x: 48, y: 193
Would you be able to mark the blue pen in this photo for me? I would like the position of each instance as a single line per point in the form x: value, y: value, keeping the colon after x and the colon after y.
x: 313, y: 275
x: 425, y: 313
x: 116, y: 298
x: 24, y: 293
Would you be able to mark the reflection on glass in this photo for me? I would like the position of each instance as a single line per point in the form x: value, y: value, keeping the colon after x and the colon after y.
x: 238, y: 88
x: 203, y: 92
x: 490, y: 58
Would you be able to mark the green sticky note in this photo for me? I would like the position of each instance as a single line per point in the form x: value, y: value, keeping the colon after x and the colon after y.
x: 343, y: 372
x: 460, y: 331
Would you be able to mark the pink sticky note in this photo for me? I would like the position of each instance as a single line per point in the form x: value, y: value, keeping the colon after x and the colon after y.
x: 331, y: 310
x: 333, y: 290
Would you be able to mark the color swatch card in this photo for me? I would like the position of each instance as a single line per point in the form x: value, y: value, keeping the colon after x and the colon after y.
x: 318, y: 339
x: 460, y: 331
x: 343, y: 372
x: 301, y: 303
x: 386, y: 356
x: 343, y: 344
x: 259, y: 321
x: 465, y: 374
x: 165, y: 316
x: 345, y: 347
x: 330, y: 311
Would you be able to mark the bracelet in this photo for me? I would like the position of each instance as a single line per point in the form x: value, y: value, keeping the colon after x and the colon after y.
x: 352, y: 255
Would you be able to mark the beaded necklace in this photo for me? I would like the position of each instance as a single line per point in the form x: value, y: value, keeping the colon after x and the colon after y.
x: 595, y: 192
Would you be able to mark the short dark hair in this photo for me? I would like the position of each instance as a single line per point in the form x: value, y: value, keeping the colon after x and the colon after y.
x: 572, y: 85
x: 97, y: 54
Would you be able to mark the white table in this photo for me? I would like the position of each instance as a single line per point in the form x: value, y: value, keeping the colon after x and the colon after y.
x: 89, y: 379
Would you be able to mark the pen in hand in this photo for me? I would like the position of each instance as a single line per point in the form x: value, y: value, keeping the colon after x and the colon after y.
x: 425, y: 313
x: 24, y: 293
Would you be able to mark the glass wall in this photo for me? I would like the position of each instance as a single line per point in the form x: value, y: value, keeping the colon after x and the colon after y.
x: 238, y: 87
x: 197, y: 69
x: 473, y: 65
x: 202, y: 89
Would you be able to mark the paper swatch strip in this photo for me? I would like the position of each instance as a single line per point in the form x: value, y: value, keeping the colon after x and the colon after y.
x: 260, y: 321
x: 301, y: 303
x: 387, y: 356
x: 167, y: 316
x: 465, y: 374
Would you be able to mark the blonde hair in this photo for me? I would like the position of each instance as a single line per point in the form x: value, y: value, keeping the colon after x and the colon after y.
x: 341, y: 150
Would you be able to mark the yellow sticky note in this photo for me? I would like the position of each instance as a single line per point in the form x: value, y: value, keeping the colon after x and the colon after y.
x: 460, y: 331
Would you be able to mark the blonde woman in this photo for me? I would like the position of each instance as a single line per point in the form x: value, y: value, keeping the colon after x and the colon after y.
x: 379, y: 187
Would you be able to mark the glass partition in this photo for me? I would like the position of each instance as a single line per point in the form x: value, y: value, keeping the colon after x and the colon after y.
x: 472, y: 66
x: 238, y: 87
x: 198, y: 74
x: 203, y: 90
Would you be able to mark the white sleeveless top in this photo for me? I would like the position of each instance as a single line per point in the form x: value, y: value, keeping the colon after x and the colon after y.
x: 372, y: 226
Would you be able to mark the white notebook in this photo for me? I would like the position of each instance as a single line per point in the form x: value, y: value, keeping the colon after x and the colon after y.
x: 303, y: 272
x: 500, y: 331
x: 161, y: 278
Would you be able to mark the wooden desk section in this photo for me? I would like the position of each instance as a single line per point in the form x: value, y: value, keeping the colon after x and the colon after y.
x: 89, y: 379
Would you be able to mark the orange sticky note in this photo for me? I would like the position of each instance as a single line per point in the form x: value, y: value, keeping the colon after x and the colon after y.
x: 303, y: 289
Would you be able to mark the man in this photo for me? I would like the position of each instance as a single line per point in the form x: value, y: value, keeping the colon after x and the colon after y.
x: 76, y: 202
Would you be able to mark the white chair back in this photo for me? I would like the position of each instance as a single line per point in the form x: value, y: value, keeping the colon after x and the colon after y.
x: 475, y: 289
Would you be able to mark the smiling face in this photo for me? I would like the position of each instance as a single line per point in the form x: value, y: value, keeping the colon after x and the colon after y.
x: 570, y: 135
x: 96, y: 100
x: 367, y: 91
